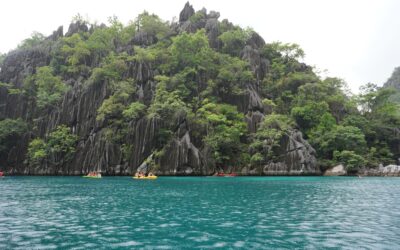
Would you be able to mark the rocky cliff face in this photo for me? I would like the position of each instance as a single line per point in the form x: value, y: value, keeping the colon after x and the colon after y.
x: 183, y: 153
x: 394, y: 80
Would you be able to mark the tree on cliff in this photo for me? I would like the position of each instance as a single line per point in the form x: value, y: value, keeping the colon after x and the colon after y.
x: 265, y: 146
x: 47, y: 88
x: 10, y: 132
x: 35, y: 39
x: 57, y: 149
x: 225, y: 128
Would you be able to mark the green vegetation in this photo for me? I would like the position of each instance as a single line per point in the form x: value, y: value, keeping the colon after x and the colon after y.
x: 234, y: 40
x: 339, y: 138
x: 134, y: 111
x: 10, y: 132
x: 166, y: 103
x: 76, y: 52
x: 350, y: 159
x: 37, y: 152
x: 35, y: 39
x: 225, y: 127
x: 113, y: 106
x: 267, y: 139
x: 152, y: 25
x: 57, y: 149
x: 47, y: 87
x: 191, y: 51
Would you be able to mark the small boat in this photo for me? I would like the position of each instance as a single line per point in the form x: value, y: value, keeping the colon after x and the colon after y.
x: 2, y: 175
x: 225, y: 175
x: 153, y: 177
x: 92, y: 175
x: 230, y: 175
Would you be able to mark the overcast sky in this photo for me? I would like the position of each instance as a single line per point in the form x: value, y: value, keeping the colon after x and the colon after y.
x: 356, y: 40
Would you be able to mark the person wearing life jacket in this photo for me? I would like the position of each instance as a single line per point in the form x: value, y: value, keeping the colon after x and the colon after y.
x: 1, y: 174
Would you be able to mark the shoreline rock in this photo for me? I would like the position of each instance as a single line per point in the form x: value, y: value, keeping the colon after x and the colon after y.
x: 338, y: 170
x: 389, y: 170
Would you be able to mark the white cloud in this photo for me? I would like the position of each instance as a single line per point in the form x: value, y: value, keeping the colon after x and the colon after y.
x: 355, y: 40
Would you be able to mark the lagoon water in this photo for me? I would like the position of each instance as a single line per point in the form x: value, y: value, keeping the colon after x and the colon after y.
x: 199, y: 212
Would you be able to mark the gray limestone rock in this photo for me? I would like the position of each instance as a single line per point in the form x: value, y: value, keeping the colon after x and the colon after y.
x: 182, y: 157
x: 213, y: 15
x: 297, y: 157
x: 336, y: 171
x: 213, y: 32
x: 258, y: 64
x: 255, y: 41
x: 389, y: 170
x: 142, y: 38
x: 186, y: 13
x: 76, y: 27
x: 56, y: 34
x: 394, y: 80
x: 253, y: 119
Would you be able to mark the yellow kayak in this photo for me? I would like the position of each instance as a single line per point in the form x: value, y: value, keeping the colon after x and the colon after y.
x: 145, y: 178
x: 93, y: 177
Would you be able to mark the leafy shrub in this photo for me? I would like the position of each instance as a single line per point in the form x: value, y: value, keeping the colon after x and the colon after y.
x: 50, y: 88
x: 350, y: 159
x: 225, y: 127
x: 340, y: 138
x: 35, y: 39
x: 10, y: 131
x: 61, y: 143
x: 266, y: 141
x: 37, y: 151
x: 234, y: 40
x: 134, y: 111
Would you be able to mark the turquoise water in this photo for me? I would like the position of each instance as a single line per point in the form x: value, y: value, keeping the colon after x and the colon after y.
x: 186, y: 212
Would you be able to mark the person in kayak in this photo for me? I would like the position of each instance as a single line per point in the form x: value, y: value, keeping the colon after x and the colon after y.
x: 1, y: 174
x: 139, y: 174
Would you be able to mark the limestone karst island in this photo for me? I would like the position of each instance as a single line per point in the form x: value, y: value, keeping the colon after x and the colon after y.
x: 137, y: 108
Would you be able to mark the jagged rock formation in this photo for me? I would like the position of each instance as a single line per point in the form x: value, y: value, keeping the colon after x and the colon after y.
x: 394, y: 80
x: 77, y: 27
x: 56, y: 34
x: 258, y: 64
x: 142, y: 38
x: 182, y: 157
x: 186, y: 13
x: 298, y: 157
x: 183, y: 154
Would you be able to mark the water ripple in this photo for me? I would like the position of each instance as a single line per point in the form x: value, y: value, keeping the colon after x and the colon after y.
x: 171, y: 213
